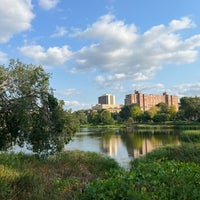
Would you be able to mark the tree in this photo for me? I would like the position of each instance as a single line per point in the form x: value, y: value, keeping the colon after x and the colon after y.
x: 81, y: 116
x: 29, y: 112
x: 152, y: 111
x: 125, y: 112
x: 145, y: 117
x: 106, y: 118
x: 190, y: 107
x: 161, y: 117
x: 172, y: 112
x: 132, y: 111
x: 94, y: 118
x: 162, y: 107
x: 136, y: 113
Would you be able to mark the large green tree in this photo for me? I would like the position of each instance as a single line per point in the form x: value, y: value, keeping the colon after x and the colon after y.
x: 106, y: 118
x: 189, y: 108
x: 131, y: 111
x: 29, y: 112
x: 81, y: 116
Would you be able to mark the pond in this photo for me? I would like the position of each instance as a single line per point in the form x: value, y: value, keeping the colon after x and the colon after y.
x: 121, y: 144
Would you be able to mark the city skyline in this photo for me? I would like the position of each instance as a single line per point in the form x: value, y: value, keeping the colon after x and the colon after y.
x: 144, y: 101
x: 95, y: 47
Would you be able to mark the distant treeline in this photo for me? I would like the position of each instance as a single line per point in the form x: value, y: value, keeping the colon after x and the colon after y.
x: 189, y: 110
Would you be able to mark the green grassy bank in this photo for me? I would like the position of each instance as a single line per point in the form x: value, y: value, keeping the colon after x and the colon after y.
x: 183, y: 125
x: 171, y: 172
x: 168, y: 173
x: 63, y: 176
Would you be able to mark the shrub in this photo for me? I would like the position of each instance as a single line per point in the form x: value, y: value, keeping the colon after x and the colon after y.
x: 186, y: 152
x: 157, y: 180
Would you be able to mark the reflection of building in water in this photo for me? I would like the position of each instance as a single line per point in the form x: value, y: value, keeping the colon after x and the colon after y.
x: 110, y: 146
x: 147, y: 146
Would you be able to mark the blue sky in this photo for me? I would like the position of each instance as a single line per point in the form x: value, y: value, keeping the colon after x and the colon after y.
x: 93, y: 47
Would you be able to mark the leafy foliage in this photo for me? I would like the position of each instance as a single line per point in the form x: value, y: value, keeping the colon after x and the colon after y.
x: 155, y: 180
x: 81, y: 116
x: 103, y: 117
x: 166, y: 173
x: 131, y: 111
x: 58, y: 177
x: 29, y: 112
x: 190, y: 108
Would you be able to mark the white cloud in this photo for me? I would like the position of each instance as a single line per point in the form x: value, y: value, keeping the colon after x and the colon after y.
x: 48, y: 4
x: 184, y: 23
x: 149, y: 87
x: 181, y: 90
x: 118, y: 48
x: 76, y: 105
x: 186, y: 89
x: 51, y: 57
x: 111, y: 80
x: 3, y: 58
x: 60, y: 31
x: 121, y: 52
x: 15, y: 17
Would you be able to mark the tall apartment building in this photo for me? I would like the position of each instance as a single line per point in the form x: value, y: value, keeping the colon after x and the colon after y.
x: 107, y: 102
x: 146, y: 101
x: 106, y: 99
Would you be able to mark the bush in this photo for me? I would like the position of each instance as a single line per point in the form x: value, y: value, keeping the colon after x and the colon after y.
x: 186, y: 152
x: 192, y: 136
x: 61, y: 176
x: 157, y: 180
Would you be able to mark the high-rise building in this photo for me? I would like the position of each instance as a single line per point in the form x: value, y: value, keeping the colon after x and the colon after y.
x: 106, y: 99
x: 146, y: 101
x: 107, y: 102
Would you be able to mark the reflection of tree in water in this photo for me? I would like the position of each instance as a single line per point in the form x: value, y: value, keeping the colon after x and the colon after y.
x: 141, y: 142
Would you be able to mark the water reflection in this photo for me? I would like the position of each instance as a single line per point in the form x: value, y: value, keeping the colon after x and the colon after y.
x: 121, y: 144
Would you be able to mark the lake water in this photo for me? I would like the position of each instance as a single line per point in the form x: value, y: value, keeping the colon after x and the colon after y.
x: 121, y: 144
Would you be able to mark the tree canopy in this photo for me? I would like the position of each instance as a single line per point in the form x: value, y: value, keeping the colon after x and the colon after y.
x: 190, y: 108
x: 131, y: 112
x: 29, y: 112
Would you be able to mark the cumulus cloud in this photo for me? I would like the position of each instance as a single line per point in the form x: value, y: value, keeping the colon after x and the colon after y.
x: 118, y: 48
x: 60, y: 31
x: 120, y: 52
x: 181, y: 90
x: 48, y: 4
x: 15, y: 17
x: 76, y: 105
x: 148, y: 87
x: 111, y: 80
x: 51, y: 57
x: 186, y: 89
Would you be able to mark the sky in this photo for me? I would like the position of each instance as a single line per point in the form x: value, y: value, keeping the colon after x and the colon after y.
x: 96, y: 47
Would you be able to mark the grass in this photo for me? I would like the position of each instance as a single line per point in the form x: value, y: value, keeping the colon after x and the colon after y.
x: 170, y: 172
x: 62, y: 176
x: 186, y: 152
x: 183, y: 125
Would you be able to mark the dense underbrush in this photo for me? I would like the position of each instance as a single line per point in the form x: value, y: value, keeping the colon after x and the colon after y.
x: 62, y: 176
x: 171, y: 172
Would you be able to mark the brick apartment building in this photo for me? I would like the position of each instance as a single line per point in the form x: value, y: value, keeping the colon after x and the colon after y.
x: 146, y: 101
